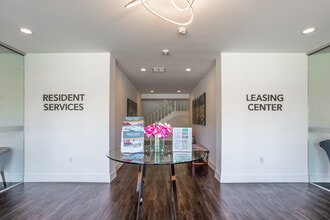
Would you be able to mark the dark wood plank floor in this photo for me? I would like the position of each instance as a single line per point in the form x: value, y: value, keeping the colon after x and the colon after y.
x: 200, y: 197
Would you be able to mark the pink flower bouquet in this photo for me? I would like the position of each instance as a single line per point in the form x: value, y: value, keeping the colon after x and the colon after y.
x: 158, y: 129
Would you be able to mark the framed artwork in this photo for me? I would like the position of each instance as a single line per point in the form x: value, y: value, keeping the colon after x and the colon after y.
x: 199, y: 110
x: 131, y: 108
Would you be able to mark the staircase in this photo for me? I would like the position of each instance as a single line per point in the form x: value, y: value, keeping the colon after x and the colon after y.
x: 170, y: 110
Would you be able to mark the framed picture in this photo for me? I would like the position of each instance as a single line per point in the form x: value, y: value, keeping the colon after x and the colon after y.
x: 131, y: 108
x: 194, y: 106
x: 199, y: 110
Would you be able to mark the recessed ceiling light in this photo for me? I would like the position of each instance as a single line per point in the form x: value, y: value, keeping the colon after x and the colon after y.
x: 188, y: 69
x: 166, y: 51
x: 143, y: 69
x: 179, y: 91
x: 309, y: 30
x: 152, y: 91
x: 25, y: 31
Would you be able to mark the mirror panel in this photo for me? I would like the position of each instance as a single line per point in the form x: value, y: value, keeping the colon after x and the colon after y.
x: 319, y: 118
x: 11, y: 118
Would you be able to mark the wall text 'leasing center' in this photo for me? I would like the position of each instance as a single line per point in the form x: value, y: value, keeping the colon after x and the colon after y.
x: 265, y: 102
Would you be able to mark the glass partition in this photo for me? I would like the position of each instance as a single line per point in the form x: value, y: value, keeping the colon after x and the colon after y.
x: 11, y: 118
x: 319, y: 118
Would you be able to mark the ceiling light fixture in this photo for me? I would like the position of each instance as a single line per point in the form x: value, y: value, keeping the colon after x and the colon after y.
x: 152, y: 91
x: 25, y: 31
x: 132, y: 3
x: 309, y: 30
x: 179, y: 91
x: 188, y: 69
x: 186, y: 9
x: 143, y: 69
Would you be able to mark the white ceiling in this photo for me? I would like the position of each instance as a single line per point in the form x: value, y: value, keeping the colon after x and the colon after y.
x: 136, y: 37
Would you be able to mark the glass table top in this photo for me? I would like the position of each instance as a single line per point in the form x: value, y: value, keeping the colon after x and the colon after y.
x: 168, y: 157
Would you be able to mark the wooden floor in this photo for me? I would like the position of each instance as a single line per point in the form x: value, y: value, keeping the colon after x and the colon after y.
x: 200, y: 197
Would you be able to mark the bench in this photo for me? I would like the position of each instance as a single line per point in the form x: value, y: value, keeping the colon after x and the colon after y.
x: 203, y: 162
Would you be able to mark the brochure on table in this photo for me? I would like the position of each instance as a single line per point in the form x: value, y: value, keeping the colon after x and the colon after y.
x: 179, y: 156
x: 132, y: 135
x: 182, y: 139
x: 133, y: 158
x: 182, y: 143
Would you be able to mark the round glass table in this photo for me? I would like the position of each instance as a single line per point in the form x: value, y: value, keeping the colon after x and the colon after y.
x: 156, y: 158
x: 167, y: 157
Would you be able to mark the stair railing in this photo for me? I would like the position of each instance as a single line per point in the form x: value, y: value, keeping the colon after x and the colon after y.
x: 165, y: 110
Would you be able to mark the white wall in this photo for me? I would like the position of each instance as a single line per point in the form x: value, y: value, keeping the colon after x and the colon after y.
x: 67, y: 145
x: 206, y: 135
x: 218, y: 119
x: 112, y: 114
x: 319, y: 119
x: 124, y: 90
x: 264, y: 146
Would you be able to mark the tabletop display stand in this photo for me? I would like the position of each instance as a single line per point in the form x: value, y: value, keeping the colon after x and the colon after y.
x: 182, y: 139
x: 132, y: 135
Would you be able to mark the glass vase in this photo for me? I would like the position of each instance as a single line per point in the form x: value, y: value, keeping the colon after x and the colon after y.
x: 193, y: 139
x: 157, y: 145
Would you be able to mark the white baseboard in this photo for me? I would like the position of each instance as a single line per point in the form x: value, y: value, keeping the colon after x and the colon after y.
x: 217, y: 175
x: 212, y: 165
x: 262, y: 178
x: 67, y: 178
x: 113, y: 175
x: 118, y: 165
